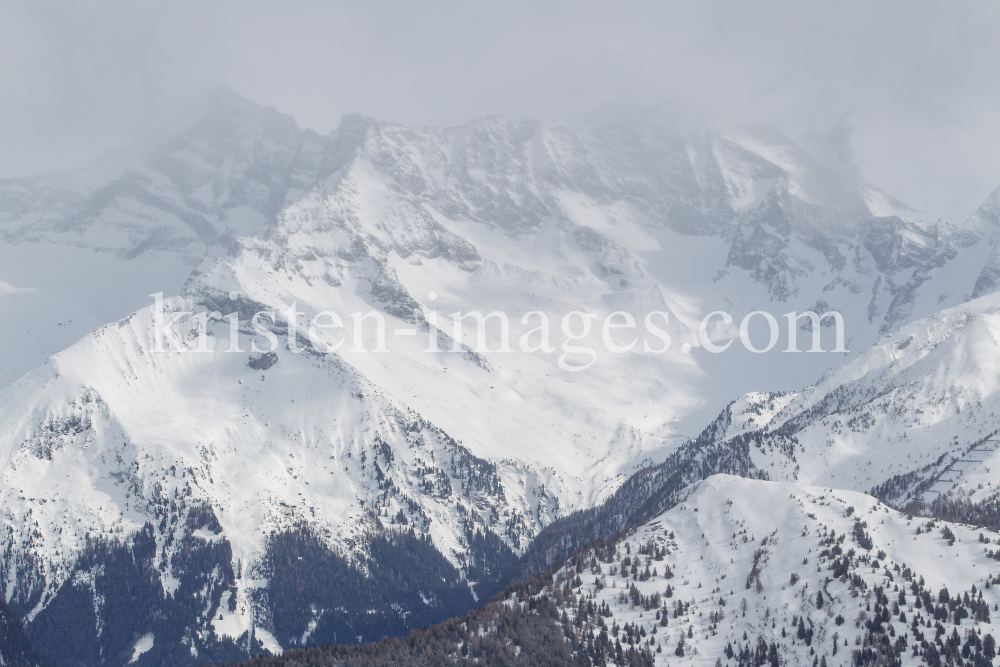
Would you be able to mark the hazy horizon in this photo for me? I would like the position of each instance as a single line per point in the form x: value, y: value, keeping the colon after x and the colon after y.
x: 897, y: 91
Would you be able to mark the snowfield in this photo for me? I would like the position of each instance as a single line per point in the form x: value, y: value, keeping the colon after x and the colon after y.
x: 306, y: 442
x: 913, y: 418
x: 414, y: 480
x: 740, y: 561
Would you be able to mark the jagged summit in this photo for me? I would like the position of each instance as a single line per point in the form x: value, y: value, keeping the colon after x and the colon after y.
x: 205, y: 477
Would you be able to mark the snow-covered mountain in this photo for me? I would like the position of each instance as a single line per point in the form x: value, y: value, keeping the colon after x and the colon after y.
x: 213, y: 448
x: 691, y: 222
x: 815, y: 572
x: 301, y: 494
x: 914, y: 419
x: 740, y: 572
x: 82, y: 249
x: 521, y: 217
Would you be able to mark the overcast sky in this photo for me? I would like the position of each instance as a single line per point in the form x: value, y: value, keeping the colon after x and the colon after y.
x: 914, y: 87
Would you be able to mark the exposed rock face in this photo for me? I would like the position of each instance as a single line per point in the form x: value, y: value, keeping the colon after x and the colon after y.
x: 243, y: 489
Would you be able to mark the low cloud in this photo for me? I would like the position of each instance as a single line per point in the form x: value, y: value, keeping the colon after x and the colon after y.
x: 901, y: 91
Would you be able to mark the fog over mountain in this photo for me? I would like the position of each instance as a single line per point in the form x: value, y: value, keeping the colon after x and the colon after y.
x: 382, y: 336
x: 903, y: 88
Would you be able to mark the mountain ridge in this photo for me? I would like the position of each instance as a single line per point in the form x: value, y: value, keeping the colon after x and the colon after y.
x: 457, y: 461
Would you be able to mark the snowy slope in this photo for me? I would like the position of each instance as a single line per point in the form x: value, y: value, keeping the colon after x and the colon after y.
x: 111, y: 433
x: 519, y: 217
x: 697, y: 215
x: 88, y: 247
x: 912, y: 418
x: 114, y: 445
x: 740, y: 561
x: 742, y: 573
